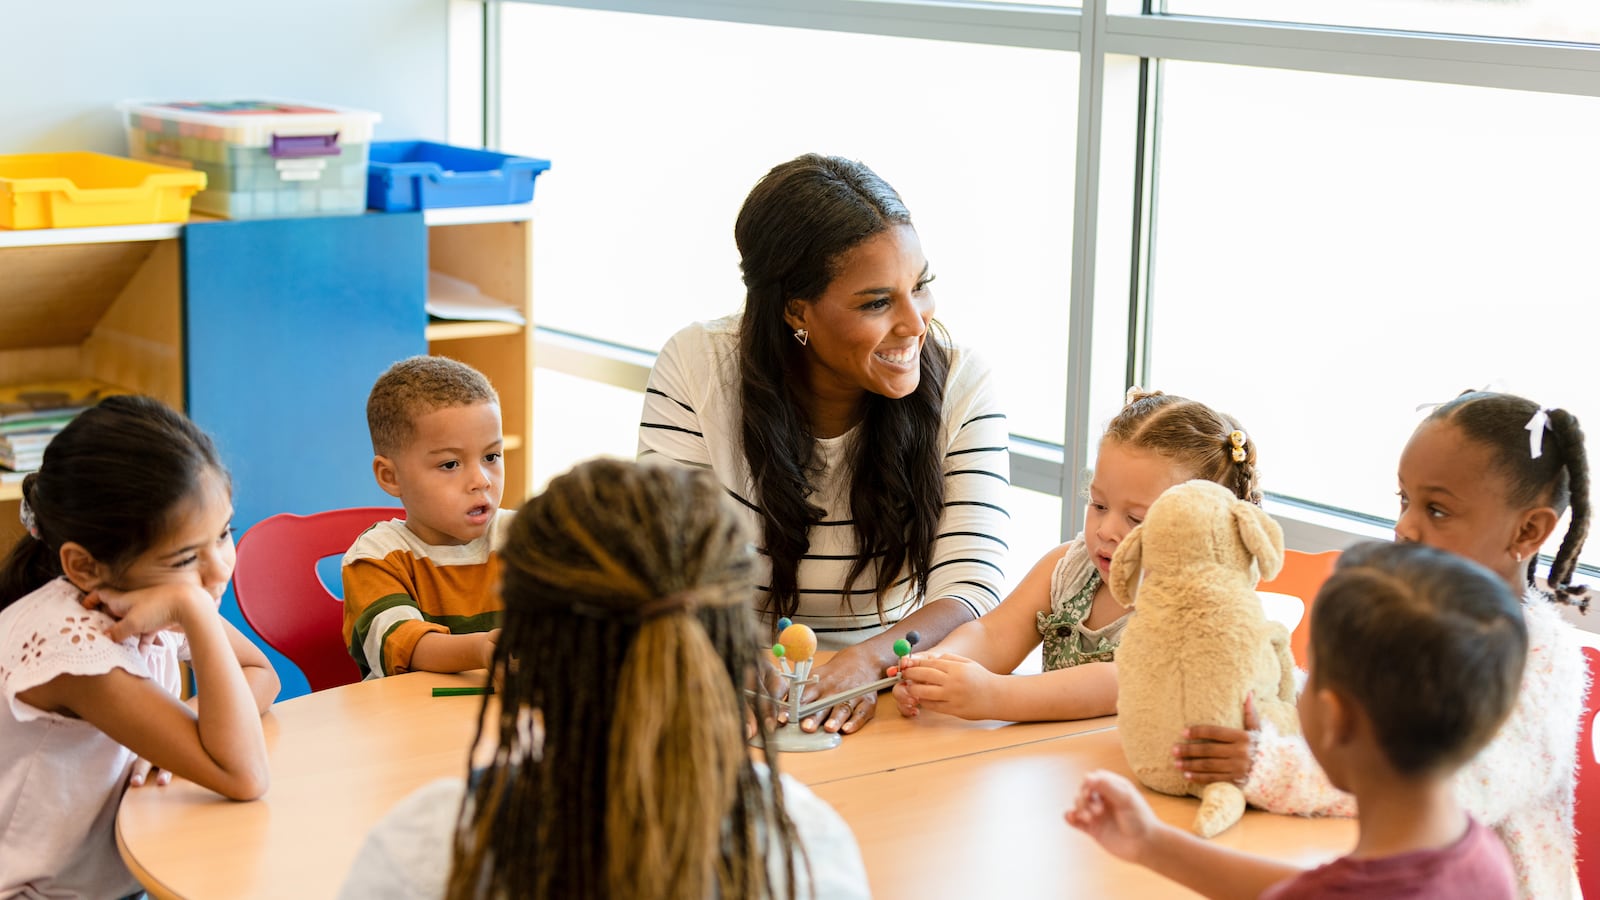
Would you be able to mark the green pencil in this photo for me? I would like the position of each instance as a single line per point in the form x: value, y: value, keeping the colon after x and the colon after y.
x: 459, y: 691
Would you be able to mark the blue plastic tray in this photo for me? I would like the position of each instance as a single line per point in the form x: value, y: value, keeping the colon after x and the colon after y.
x: 409, y: 175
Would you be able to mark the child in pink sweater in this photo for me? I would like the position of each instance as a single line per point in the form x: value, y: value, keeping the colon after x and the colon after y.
x: 1416, y: 657
x: 1486, y: 476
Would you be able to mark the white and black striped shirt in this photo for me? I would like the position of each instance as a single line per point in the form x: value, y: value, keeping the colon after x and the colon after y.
x: 691, y: 415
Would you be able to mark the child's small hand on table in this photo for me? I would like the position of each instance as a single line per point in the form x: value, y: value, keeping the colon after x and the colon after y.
x: 491, y: 640
x: 140, y: 776
x: 1211, y: 753
x: 1110, y: 810
x: 946, y: 683
x: 772, y: 690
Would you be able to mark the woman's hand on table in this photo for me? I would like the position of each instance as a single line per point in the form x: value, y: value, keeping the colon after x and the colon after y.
x: 947, y: 683
x: 849, y: 668
x: 1110, y: 810
x: 1211, y: 753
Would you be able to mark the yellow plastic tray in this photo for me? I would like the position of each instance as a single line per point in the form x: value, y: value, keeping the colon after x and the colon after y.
x: 76, y: 190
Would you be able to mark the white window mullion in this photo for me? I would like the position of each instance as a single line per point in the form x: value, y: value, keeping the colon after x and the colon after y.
x: 1007, y: 24
x: 1483, y: 62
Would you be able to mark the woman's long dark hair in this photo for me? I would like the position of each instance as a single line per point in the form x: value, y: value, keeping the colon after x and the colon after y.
x: 794, y: 227
x: 620, y: 766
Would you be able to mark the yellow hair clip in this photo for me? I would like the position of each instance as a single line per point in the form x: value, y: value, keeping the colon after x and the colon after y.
x: 1237, y: 439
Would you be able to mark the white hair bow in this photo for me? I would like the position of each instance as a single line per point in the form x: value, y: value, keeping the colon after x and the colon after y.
x: 1536, y: 427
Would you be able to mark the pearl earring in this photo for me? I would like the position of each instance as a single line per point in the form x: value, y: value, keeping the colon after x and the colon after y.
x: 1519, y: 556
x: 802, y: 335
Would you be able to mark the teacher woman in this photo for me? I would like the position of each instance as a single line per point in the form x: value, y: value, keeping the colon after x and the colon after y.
x: 869, y: 451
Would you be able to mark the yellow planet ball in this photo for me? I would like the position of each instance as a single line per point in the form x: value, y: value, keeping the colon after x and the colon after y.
x: 799, y: 642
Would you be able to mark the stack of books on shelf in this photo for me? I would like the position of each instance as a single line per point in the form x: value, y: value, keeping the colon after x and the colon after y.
x: 33, y: 414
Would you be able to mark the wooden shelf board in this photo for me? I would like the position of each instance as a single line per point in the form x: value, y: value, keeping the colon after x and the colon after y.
x: 512, y: 441
x: 104, y: 234
x: 472, y: 215
x: 10, y: 491
x: 161, y: 231
x: 455, y: 331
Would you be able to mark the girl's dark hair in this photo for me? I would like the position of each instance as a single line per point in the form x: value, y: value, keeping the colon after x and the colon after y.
x: 1211, y: 444
x: 795, y: 226
x: 109, y: 482
x: 1559, y: 477
x: 621, y: 768
x: 1429, y: 644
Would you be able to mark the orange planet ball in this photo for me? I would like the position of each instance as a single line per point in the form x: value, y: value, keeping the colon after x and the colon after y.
x: 799, y: 642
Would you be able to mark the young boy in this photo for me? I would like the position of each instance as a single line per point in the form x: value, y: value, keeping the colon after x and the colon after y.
x: 1416, y: 658
x: 422, y: 594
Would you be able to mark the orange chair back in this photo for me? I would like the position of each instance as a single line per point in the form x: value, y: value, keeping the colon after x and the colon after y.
x: 1302, y: 575
x: 1586, y: 817
x: 282, y: 596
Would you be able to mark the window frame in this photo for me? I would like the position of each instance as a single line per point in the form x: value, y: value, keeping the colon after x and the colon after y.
x: 1119, y: 79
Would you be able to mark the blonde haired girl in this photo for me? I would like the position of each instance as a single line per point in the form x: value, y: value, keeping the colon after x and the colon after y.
x: 1157, y: 441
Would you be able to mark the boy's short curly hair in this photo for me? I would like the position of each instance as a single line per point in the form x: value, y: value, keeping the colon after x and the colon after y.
x: 417, y: 386
x: 1430, y: 645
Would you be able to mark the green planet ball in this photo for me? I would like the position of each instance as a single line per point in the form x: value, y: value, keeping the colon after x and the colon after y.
x: 902, y: 647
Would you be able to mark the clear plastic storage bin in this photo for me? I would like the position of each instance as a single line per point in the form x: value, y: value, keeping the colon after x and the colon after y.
x: 262, y: 158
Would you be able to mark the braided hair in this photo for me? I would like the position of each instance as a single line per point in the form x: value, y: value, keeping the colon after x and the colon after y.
x: 620, y: 768
x: 1559, y: 476
x: 1212, y: 445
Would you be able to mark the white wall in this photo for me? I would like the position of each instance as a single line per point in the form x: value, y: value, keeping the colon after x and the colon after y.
x: 66, y: 63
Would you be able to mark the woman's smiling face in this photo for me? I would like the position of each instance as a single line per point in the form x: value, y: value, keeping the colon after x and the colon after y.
x: 865, y: 332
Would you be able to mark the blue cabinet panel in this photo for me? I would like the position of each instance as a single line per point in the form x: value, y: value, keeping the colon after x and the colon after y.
x: 287, y: 324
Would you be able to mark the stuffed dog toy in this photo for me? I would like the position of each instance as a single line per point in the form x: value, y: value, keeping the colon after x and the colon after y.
x: 1198, y: 642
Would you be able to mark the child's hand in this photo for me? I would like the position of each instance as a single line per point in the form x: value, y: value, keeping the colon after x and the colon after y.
x: 1213, y: 753
x: 1111, y: 810
x: 946, y: 683
x: 907, y: 704
x: 491, y: 639
x: 147, y: 611
x: 140, y: 776
x: 772, y: 689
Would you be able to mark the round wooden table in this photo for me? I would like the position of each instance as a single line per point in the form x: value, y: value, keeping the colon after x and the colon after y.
x: 941, y: 807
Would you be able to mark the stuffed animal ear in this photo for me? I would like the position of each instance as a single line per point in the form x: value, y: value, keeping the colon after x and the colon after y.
x: 1261, y: 535
x: 1127, y: 564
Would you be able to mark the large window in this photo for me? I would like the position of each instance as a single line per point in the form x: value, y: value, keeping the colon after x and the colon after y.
x: 1332, y: 252
x: 658, y: 127
x: 1317, y: 215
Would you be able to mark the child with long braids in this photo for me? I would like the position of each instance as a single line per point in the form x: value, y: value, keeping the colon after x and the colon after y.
x: 1157, y: 441
x: 620, y: 767
x: 128, y: 548
x: 1487, y: 476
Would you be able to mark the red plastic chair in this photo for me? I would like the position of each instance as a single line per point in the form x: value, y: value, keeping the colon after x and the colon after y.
x: 282, y: 596
x: 1302, y: 575
x: 1586, y: 818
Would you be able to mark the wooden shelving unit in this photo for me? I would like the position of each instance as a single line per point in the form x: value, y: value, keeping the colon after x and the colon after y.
x: 90, y: 303
x: 492, y: 248
x: 107, y: 304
